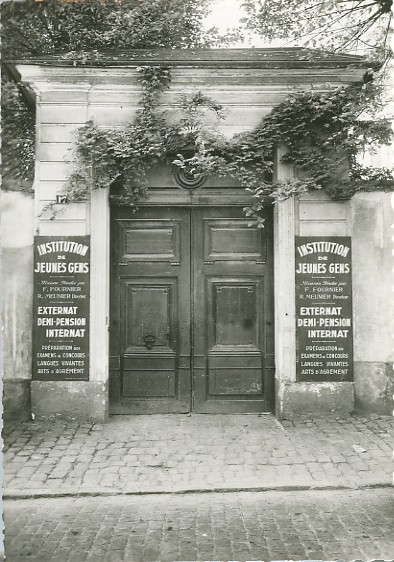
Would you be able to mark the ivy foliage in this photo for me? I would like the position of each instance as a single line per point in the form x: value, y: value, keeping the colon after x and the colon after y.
x: 322, y: 132
x: 122, y: 157
x: 18, y: 134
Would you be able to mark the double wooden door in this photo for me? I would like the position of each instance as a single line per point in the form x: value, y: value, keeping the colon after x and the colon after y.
x: 191, y: 325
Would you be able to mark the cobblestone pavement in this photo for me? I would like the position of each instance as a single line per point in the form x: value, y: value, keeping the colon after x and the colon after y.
x: 313, y: 525
x: 168, y: 453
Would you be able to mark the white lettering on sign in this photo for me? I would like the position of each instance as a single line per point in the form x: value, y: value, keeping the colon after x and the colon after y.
x: 331, y: 372
x: 71, y: 321
x: 73, y: 333
x: 61, y: 267
x: 320, y: 310
x: 47, y: 310
x: 73, y: 363
x: 69, y: 371
x: 327, y: 289
x: 311, y: 364
x: 330, y: 247
x: 62, y: 246
x: 311, y: 268
x: 328, y: 333
x: 338, y: 268
x: 48, y: 363
x: 334, y: 322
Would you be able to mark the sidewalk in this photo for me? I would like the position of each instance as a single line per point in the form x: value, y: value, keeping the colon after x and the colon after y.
x: 182, y: 453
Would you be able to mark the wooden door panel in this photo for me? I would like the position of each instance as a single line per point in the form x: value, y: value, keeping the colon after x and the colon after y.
x: 235, y: 375
x: 151, y: 283
x: 231, y: 278
x: 148, y: 311
x: 149, y: 240
x: 191, y: 295
x: 233, y: 313
x: 232, y: 240
x: 150, y: 383
x: 233, y: 326
x: 149, y: 361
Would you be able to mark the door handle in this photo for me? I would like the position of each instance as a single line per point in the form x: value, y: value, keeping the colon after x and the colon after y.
x: 149, y: 340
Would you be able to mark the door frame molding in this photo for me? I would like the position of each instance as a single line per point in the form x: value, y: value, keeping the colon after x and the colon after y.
x: 284, y: 285
x: 99, y: 289
x: 284, y: 279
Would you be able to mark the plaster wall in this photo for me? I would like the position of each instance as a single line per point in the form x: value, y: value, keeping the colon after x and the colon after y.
x: 17, y: 294
x: 373, y: 306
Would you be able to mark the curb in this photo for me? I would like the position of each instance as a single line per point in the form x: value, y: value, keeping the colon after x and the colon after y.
x: 17, y: 495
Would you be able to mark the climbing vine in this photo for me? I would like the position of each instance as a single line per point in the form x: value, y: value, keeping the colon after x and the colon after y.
x: 18, y: 134
x: 322, y: 134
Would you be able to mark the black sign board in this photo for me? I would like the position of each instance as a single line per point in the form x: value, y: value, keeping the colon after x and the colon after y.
x: 61, y: 308
x: 324, y: 323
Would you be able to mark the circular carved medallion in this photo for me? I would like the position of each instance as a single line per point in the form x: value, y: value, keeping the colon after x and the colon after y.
x: 186, y: 179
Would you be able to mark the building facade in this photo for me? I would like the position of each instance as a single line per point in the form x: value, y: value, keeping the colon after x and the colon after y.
x: 182, y: 306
